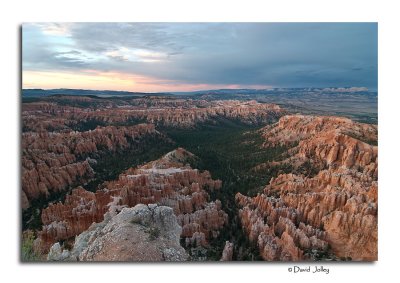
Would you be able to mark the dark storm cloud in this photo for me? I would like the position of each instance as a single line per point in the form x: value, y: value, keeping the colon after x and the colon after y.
x: 277, y: 54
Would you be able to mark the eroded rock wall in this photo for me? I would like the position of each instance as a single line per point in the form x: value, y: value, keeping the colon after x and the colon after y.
x: 299, y: 217
x: 53, y: 162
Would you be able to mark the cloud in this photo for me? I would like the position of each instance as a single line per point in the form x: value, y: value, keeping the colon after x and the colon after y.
x: 136, y: 55
x: 60, y: 29
x: 278, y: 54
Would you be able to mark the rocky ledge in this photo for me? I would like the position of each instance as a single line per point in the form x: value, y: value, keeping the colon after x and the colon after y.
x: 145, y: 233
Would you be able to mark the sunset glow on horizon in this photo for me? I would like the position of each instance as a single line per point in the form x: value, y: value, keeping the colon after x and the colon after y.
x: 94, y: 80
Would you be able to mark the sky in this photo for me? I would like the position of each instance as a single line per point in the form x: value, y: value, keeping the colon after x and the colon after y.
x: 172, y: 57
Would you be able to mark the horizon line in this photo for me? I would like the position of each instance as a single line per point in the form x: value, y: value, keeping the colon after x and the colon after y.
x: 272, y: 88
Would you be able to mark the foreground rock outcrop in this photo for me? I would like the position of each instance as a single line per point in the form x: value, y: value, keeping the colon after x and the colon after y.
x: 168, y: 181
x: 143, y: 233
x: 332, y: 214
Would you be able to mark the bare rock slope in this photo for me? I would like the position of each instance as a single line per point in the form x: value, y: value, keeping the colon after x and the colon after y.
x: 143, y: 233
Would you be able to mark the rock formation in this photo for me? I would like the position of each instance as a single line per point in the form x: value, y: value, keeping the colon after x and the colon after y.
x: 143, y: 233
x: 168, y: 181
x: 54, y: 115
x: 53, y: 162
x: 325, y: 141
x: 80, y: 209
x: 299, y: 217
x: 293, y: 128
x: 227, y: 253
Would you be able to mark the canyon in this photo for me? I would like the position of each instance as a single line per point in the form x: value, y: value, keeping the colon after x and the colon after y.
x: 162, y: 178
